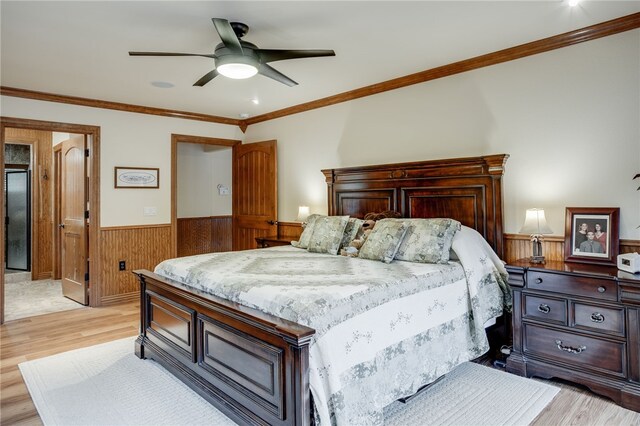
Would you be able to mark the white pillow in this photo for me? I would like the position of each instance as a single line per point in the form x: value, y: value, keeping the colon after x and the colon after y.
x: 327, y: 234
x: 427, y: 240
x: 303, y: 242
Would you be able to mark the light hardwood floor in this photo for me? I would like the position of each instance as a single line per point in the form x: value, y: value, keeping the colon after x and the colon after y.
x: 45, y: 335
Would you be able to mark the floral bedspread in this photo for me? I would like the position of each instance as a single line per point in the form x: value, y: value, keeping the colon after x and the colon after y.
x: 382, y: 330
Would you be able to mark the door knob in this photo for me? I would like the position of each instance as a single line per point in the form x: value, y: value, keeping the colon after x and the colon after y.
x: 61, y: 225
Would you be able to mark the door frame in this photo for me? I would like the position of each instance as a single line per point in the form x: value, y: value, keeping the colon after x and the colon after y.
x: 56, y: 270
x: 199, y: 140
x: 94, y: 195
x: 34, y: 166
x: 30, y: 222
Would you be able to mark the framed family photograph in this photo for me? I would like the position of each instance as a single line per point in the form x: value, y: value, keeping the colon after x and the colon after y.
x: 136, y: 177
x: 591, y: 234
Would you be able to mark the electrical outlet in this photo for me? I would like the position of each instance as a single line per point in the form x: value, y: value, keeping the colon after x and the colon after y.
x: 122, y: 265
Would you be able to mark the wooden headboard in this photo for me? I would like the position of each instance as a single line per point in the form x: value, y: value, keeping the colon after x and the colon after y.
x: 466, y: 189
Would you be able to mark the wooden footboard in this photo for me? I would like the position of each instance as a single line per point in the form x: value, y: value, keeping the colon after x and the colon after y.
x: 250, y: 365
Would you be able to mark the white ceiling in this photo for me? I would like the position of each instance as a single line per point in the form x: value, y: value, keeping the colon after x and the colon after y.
x: 80, y: 48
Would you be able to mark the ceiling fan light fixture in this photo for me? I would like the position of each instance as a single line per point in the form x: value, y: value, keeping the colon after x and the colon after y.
x: 237, y: 67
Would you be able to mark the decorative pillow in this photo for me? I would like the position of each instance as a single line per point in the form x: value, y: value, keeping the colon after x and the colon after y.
x: 428, y: 240
x: 384, y: 240
x: 352, y: 231
x: 303, y: 242
x: 327, y: 234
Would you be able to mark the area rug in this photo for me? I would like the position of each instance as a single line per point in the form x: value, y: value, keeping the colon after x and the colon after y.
x: 104, y: 384
x: 29, y: 298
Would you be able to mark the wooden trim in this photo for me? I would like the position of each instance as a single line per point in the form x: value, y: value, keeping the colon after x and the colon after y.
x: 120, y: 298
x: 582, y: 35
x: 291, y: 224
x: 118, y: 106
x: 524, y: 237
x: 593, y: 32
x: 94, y: 194
x: 629, y: 246
x: 202, y: 140
x: 291, y: 230
x: 224, y: 216
x: 57, y: 213
x: 118, y: 228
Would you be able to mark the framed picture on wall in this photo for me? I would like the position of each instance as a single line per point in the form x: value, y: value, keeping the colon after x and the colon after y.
x: 591, y: 234
x: 136, y: 177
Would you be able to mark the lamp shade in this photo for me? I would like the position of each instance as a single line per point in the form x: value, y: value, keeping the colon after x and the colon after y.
x: 303, y: 213
x: 535, y: 223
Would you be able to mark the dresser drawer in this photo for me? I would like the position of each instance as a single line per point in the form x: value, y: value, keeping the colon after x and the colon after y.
x: 545, y: 309
x: 573, y: 285
x: 580, y: 351
x: 599, y: 318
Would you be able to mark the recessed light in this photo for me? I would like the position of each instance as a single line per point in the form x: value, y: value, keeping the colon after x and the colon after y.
x: 573, y: 3
x: 244, y: 115
x: 162, y: 84
x: 255, y: 101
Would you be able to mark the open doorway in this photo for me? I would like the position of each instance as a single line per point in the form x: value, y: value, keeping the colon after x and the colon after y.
x: 17, y: 195
x: 44, y: 252
x: 201, y: 183
x: 253, y: 197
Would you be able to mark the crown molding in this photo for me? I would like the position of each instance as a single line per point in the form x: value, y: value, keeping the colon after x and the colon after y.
x: 593, y: 32
x: 582, y: 35
x: 97, y: 103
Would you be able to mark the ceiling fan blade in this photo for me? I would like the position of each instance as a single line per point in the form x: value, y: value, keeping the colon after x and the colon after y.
x: 206, y: 78
x: 227, y: 35
x: 271, y: 55
x: 204, y: 55
x: 270, y: 72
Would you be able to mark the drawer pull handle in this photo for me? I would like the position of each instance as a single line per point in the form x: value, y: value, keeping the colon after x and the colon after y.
x: 545, y: 309
x: 538, y: 280
x: 569, y: 348
x: 597, y: 317
x: 601, y: 289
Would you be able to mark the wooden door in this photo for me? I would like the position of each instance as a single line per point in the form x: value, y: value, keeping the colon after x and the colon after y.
x: 57, y: 218
x: 74, y: 223
x: 255, y: 193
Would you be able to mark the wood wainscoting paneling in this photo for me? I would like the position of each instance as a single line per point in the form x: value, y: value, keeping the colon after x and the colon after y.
x: 198, y: 235
x: 144, y: 246
x: 290, y: 230
x: 141, y: 247
x: 518, y: 246
x: 629, y: 246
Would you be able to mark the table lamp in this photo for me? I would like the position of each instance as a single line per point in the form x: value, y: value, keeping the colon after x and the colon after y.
x: 535, y: 224
x: 303, y: 214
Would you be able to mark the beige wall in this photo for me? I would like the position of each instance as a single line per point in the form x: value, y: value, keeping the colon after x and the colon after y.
x: 129, y: 140
x: 200, y: 171
x: 570, y: 120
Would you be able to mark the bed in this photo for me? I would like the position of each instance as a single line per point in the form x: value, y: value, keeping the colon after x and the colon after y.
x: 250, y: 353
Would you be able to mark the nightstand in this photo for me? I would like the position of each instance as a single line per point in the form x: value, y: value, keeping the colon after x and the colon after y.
x: 273, y: 241
x: 580, y: 323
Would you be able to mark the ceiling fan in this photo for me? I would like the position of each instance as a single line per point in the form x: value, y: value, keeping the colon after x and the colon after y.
x: 236, y: 58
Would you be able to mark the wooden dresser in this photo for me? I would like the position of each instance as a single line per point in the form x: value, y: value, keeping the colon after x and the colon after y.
x: 580, y: 323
